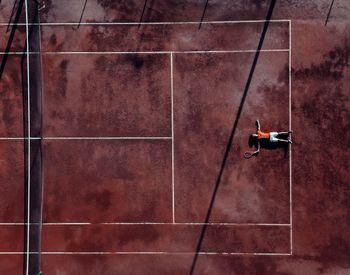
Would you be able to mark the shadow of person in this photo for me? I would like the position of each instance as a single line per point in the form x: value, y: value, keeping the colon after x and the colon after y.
x: 268, y: 145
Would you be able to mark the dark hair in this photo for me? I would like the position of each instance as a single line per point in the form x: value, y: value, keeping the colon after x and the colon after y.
x: 251, y: 140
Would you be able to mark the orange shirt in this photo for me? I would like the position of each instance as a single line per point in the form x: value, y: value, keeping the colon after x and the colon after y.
x: 263, y: 135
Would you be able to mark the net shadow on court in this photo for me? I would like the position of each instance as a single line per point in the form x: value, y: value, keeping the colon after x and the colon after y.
x: 231, y: 138
x: 31, y: 120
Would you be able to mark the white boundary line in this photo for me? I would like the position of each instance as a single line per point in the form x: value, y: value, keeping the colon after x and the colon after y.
x: 172, y: 136
x: 85, y: 138
x: 290, y: 128
x: 42, y: 92
x: 19, y: 138
x: 29, y: 162
x: 152, y: 223
x: 118, y: 138
x: 107, y: 138
x: 151, y: 253
x: 147, y: 52
x: 149, y: 23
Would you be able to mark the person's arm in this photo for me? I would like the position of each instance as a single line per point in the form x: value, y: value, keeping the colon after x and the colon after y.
x: 257, y: 125
x: 258, y: 148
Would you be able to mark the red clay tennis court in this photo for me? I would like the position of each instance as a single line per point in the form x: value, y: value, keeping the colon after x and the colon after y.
x: 123, y: 128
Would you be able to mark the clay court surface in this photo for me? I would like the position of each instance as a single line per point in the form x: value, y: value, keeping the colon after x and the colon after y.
x: 122, y: 137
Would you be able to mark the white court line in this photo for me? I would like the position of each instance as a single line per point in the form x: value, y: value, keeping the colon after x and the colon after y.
x: 85, y: 138
x: 200, y: 223
x: 29, y: 162
x: 147, y: 253
x: 172, y: 135
x: 146, y: 52
x: 148, y: 23
x: 41, y: 121
x: 106, y: 138
x: 154, y: 223
x: 19, y: 138
x: 37, y: 223
x: 290, y: 147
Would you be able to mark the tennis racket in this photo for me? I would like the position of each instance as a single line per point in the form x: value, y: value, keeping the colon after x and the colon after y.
x: 248, y: 155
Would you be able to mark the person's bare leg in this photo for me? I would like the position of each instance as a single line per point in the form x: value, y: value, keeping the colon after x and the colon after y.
x: 284, y: 140
x: 285, y: 133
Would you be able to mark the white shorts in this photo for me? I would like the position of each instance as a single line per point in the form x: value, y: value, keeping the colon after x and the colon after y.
x: 273, y: 137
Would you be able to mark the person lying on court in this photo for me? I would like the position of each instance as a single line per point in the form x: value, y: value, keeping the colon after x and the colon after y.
x: 266, y: 137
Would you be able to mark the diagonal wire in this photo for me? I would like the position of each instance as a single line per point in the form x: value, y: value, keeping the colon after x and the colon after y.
x: 81, y: 16
x: 329, y: 13
x: 203, y: 14
x: 143, y: 12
